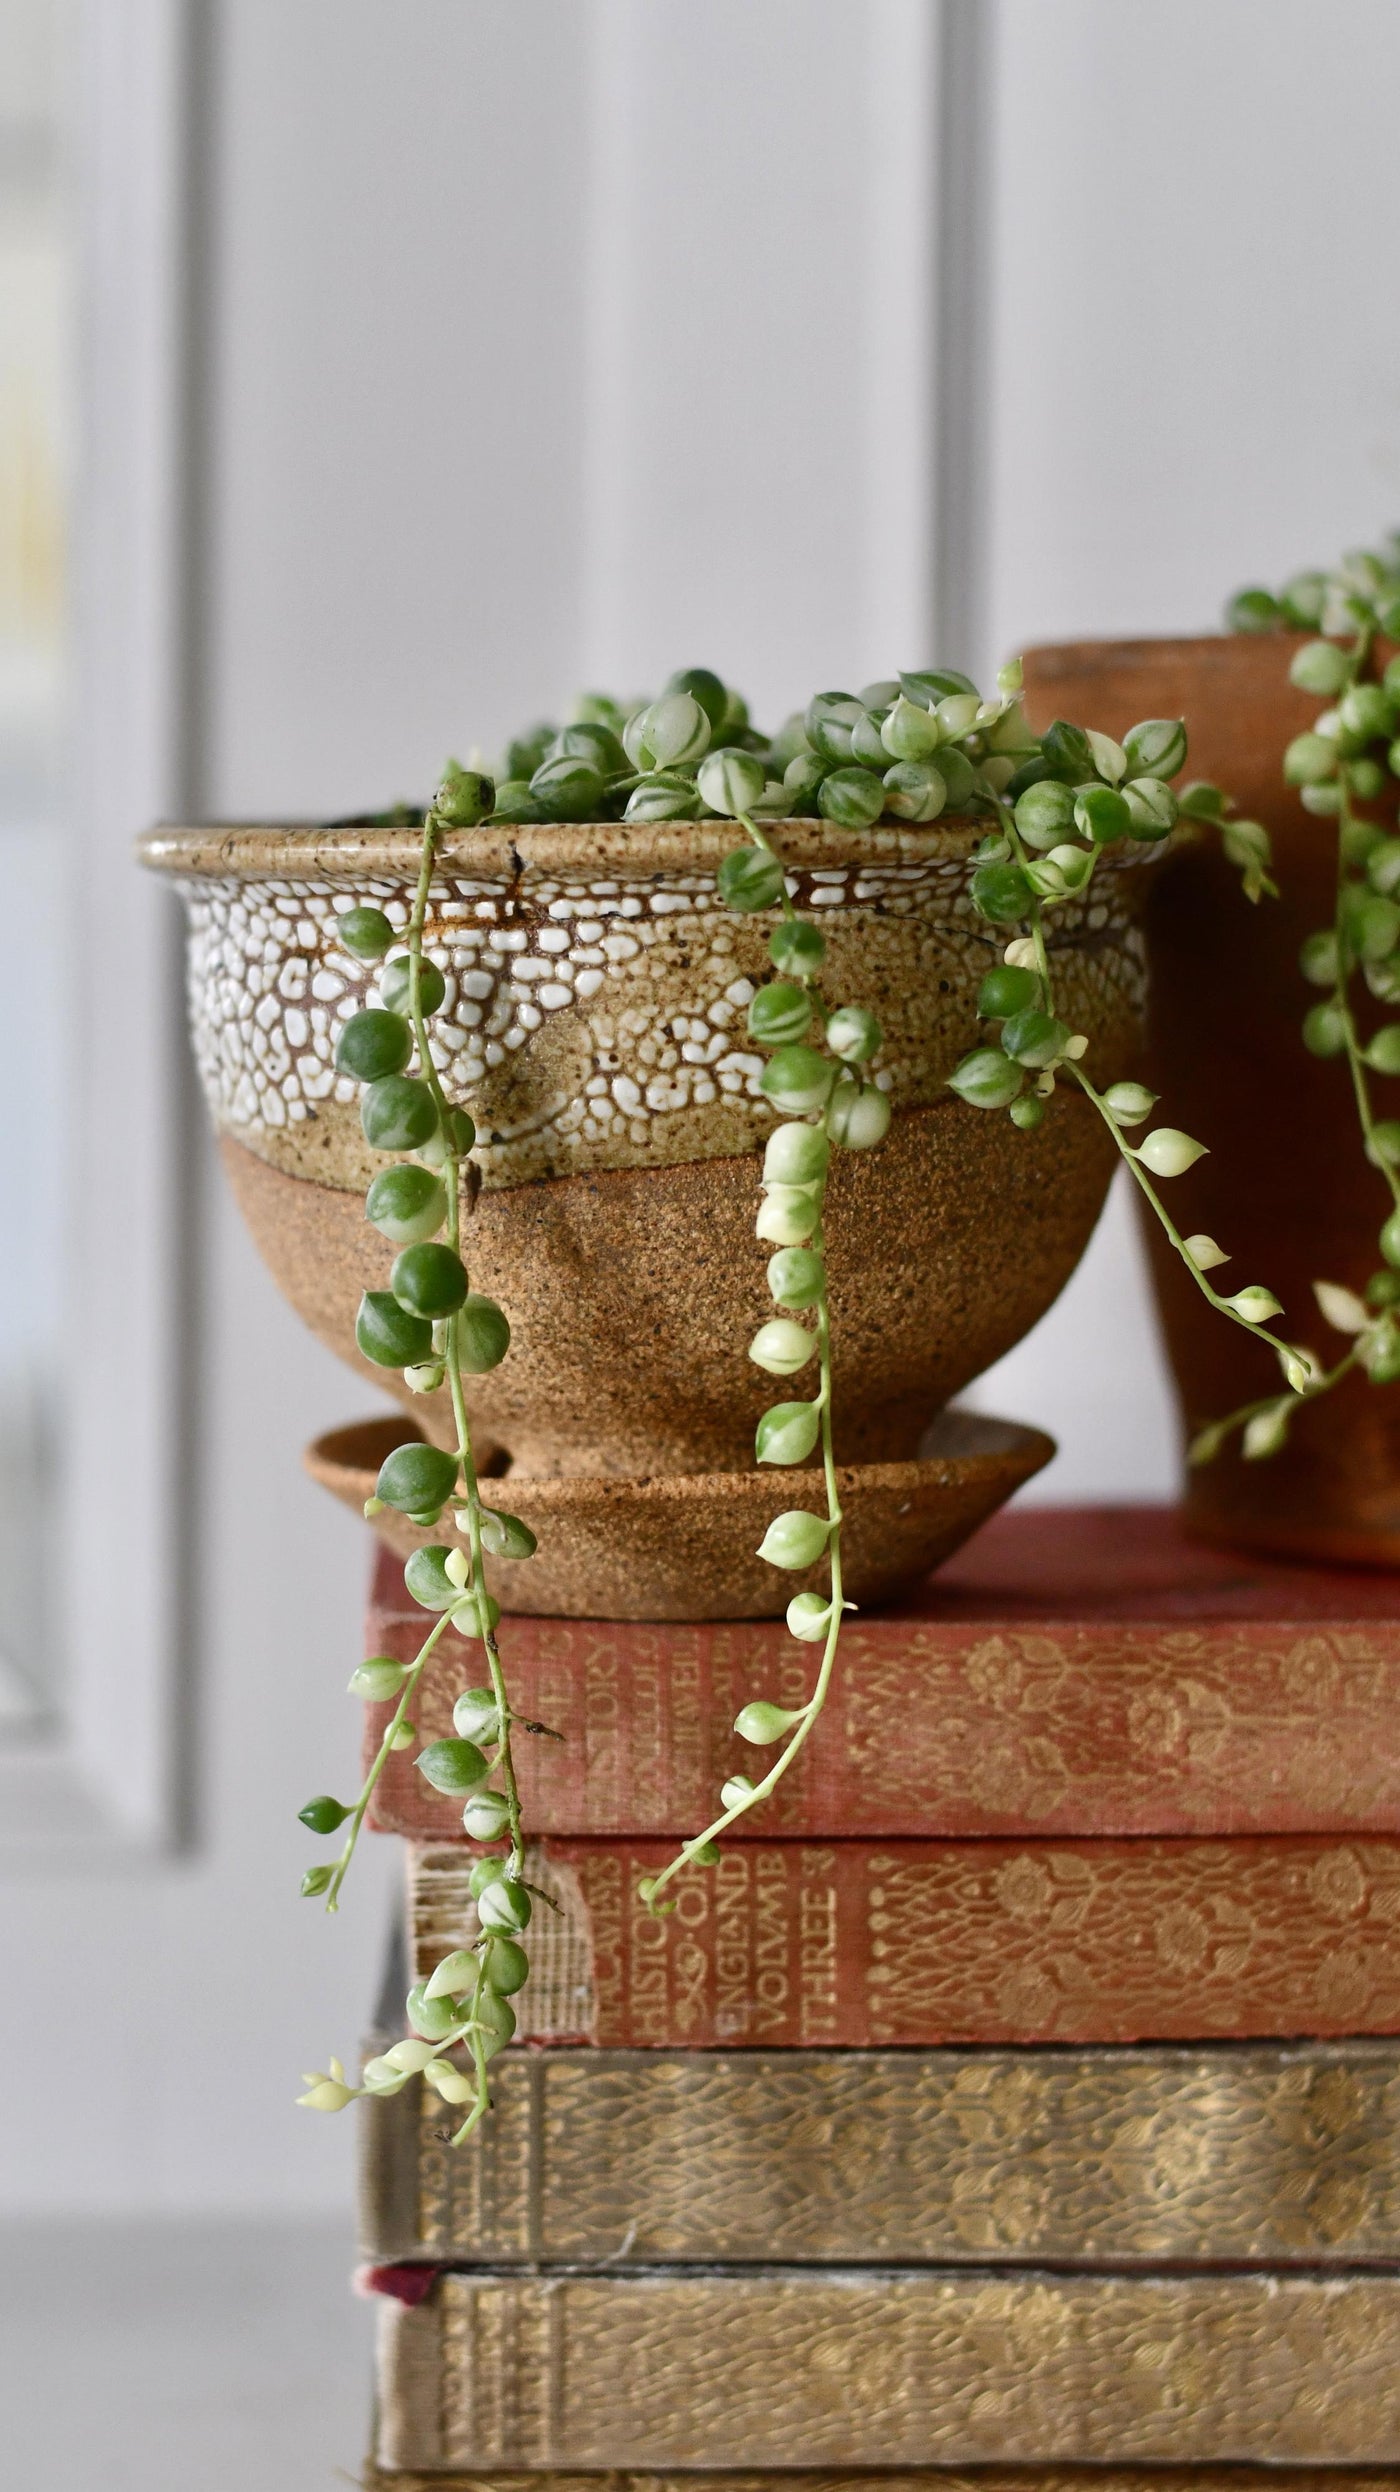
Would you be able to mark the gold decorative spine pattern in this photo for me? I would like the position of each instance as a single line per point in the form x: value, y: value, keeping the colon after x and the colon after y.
x: 1236, y: 2154
x: 1114, y: 1728
x: 880, y: 2368
x: 917, y: 2479
x: 919, y: 1943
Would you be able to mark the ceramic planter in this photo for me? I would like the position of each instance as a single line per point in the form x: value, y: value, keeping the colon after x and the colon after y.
x: 1285, y: 1188
x: 595, y: 1026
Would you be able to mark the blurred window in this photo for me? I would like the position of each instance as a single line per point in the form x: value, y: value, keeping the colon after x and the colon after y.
x: 37, y: 423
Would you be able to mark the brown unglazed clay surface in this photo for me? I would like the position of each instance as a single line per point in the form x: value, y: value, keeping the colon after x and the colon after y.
x: 633, y: 1293
x: 1285, y: 1189
x: 686, y: 1547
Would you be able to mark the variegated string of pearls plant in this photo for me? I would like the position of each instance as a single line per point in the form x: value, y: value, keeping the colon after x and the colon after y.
x: 909, y: 748
x: 1348, y: 759
x: 437, y: 1329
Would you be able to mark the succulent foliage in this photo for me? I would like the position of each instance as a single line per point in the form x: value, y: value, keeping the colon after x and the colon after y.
x: 1344, y: 769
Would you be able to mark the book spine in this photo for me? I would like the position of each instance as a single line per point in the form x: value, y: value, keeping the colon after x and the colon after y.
x: 1236, y: 1728
x: 1101, y: 2158
x: 910, y: 2367
x: 869, y: 1945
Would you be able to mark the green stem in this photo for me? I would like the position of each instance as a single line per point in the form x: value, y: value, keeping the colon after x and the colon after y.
x: 1346, y: 968
x: 357, y: 1814
x: 1356, y: 1064
x: 761, y: 840
x: 1222, y: 1306
x: 811, y: 1711
x: 1007, y: 820
x: 1220, y: 1429
x: 477, y: 2045
x: 466, y: 1462
x: 1126, y: 1153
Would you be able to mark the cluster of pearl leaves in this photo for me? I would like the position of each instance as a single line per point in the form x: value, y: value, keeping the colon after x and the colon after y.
x: 1347, y: 761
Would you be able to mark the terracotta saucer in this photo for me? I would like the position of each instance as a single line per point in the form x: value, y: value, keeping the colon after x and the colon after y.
x: 684, y: 1545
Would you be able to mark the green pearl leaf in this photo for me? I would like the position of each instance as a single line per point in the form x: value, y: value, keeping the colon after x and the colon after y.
x: 787, y: 1433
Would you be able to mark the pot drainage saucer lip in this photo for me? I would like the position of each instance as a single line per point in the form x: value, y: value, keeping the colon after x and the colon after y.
x: 683, y: 1546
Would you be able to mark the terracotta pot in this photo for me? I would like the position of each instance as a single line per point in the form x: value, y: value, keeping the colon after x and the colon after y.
x: 686, y: 1546
x: 1285, y: 1189
x: 594, y: 1023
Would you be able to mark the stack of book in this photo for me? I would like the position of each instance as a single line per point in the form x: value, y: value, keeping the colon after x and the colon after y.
x: 1013, y: 2095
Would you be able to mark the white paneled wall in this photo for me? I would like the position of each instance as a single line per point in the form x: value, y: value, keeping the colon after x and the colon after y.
x: 555, y: 344
x: 557, y: 340
x: 1195, y: 363
x: 1193, y: 380
x: 761, y: 299
x: 397, y: 375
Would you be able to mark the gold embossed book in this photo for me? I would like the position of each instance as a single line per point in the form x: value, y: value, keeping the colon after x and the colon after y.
x: 999, y: 2134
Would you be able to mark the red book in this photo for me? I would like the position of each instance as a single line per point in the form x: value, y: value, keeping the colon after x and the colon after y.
x: 1080, y: 1672
x: 866, y: 1944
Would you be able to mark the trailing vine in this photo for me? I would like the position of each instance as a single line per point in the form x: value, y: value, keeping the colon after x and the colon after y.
x: 910, y: 749
x: 828, y: 1102
x: 1348, y: 759
x: 430, y: 1323
x: 1083, y: 792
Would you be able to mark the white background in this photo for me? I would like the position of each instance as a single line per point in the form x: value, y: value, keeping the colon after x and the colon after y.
x: 541, y: 341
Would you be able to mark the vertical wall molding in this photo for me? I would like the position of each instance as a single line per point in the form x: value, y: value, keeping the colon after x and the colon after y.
x: 901, y: 366
x: 136, y: 1169
x: 965, y: 177
x: 112, y: 1772
x: 191, y: 272
x: 608, y: 320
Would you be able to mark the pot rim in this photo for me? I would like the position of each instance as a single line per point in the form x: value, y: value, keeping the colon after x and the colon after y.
x: 1139, y: 645
x: 304, y: 850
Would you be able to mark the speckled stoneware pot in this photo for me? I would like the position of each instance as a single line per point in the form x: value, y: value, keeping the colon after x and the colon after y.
x: 594, y: 1024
